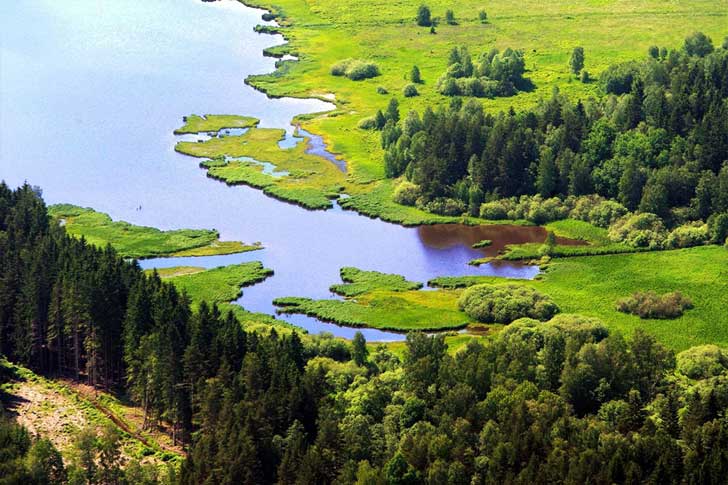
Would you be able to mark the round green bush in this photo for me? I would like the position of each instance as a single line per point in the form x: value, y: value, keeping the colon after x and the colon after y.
x: 368, y: 123
x: 643, y: 230
x: 406, y: 193
x: 410, y: 91
x: 506, y: 303
x: 703, y: 361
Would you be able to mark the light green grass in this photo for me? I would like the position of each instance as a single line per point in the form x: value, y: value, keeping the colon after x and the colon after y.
x: 215, y: 123
x: 140, y: 241
x: 591, y: 286
x: 357, y: 281
x: 218, y: 285
x: 311, y: 181
x: 385, y: 310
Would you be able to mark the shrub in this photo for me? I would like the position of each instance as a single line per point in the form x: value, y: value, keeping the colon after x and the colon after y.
x: 406, y: 193
x: 355, y: 69
x: 688, y: 235
x: 445, y: 206
x: 368, y: 123
x: 382, y: 90
x: 483, y: 16
x: 702, y: 362
x: 506, y: 303
x: 410, y: 91
x: 644, y: 230
x: 648, y: 304
x: 618, y: 78
x: 605, y: 213
x: 424, y: 17
x: 450, y: 17
x: 494, y: 211
x: 718, y: 227
x: 585, y: 78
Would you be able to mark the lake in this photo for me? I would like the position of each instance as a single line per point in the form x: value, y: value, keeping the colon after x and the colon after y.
x: 91, y: 92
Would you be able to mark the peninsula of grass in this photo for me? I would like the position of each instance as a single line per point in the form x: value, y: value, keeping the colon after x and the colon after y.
x: 386, y: 310
x: 357, y: 281
x: 300, y: 178
x: 217, y: 285
x: 590, y: 286
x: 214, y: 123
x: 133, y: 241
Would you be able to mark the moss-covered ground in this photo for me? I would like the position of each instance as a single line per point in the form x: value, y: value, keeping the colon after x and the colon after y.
x: 134, y: 241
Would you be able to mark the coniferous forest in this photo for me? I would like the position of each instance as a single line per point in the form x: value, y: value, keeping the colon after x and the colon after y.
x: 540, y: 402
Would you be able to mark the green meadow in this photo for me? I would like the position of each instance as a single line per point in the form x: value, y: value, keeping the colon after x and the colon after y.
x: 324, y: 32
x: 592, y: 285
x: 134, y: 241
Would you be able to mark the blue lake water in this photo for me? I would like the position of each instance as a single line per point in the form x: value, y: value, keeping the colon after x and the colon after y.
x: 90, y: 93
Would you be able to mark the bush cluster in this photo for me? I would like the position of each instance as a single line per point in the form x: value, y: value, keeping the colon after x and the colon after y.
x: 355, y: 69
x: 648, y: 304
x: 643, y: 230
x: 688, y: 235
x: 492, y: 74
x: 506, y: 303
x: 534, y: 208
x: 410, y: 91
x: 406, y: 193
x: 702, y: 362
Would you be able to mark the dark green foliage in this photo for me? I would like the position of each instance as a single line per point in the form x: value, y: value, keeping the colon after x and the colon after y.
x: 493, y: 74
x: 415, y: 76
x: 424, y: 16
x: 698, y: 44
x: 355, y: 69
x: 660, y: 147
x: 506, y: 303
x: 648, y: 304
x: 576, y: 63
x: 410, y: 91
x: 450, y: 17
x: 483, y: 17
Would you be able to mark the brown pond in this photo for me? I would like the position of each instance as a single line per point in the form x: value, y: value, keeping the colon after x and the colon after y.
x: 447, y: 235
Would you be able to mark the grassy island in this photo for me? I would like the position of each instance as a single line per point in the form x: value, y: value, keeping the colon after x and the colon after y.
x: 133, y: 241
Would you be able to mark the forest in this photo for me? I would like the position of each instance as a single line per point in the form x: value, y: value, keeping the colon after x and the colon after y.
x: 564, y: 399
x: 655, y: 143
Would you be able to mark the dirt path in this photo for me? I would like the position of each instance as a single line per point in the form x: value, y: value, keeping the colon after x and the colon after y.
x: 58, y: 409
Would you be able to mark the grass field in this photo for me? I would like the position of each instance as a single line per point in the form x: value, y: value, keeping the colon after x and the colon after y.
x: 139, y: 241
x: 323, y: 32
x: 592, y: 285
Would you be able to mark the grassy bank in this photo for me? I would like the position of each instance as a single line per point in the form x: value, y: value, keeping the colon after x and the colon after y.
x: 357, y: 281
x: 592, y: 285
x: 141, y: 241
x: 214, y: 123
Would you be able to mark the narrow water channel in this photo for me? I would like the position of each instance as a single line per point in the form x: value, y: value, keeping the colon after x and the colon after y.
x: 91, y: 93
